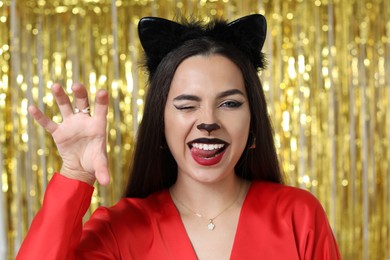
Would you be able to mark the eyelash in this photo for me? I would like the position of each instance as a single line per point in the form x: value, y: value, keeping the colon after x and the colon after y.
x: 184, y: 107
x: 227, y: 104
x: 231, y: 104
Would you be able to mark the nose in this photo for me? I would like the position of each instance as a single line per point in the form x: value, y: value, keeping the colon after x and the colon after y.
x: 208, y: 127
x: 208, y: 118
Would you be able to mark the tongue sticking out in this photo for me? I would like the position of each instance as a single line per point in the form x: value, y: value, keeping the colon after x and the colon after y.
x: 208, y: 154
x: 204, y: 153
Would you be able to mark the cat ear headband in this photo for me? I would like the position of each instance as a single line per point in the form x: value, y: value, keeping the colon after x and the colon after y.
x: 160, y: 36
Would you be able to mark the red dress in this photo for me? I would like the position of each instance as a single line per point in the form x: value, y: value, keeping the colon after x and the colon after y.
x: 276, y: 222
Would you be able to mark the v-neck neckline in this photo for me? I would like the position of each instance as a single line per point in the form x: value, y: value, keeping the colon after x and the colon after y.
x: 181, y: 238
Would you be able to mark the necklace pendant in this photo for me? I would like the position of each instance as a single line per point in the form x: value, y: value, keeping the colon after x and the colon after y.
x: 211, y: 225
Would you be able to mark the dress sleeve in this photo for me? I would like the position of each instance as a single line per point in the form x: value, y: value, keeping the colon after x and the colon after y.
x: 56, y: 229
x: 313, y: 233
x: 98, y: 240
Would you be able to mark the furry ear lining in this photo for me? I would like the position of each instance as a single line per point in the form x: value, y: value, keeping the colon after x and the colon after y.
x: 160, y: 36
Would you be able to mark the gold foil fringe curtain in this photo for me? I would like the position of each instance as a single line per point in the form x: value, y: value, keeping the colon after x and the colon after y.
x: 327, y: 85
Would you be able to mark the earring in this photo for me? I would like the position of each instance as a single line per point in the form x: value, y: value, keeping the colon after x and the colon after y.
x: 251, y: 141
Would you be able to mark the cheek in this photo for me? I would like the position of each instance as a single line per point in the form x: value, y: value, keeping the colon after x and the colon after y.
x: 239, y: 122
x: 170, y: 127
x: 239, y: 128
x: 242, y: 128
x: 176, y: 129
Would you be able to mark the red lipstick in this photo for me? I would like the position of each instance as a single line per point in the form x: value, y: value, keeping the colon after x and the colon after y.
x: 206, y: 161
x: 206, y: 151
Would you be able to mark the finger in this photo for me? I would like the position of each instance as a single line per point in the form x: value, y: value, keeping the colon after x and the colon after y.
x: 81, y: 96
x: 103, y: 177
x: 101, y: 104
x: 101, y: 170
x: 43, y: 120
x: 62, y: 100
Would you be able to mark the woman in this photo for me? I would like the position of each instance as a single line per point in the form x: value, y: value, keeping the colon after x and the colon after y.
x: 205, y: 182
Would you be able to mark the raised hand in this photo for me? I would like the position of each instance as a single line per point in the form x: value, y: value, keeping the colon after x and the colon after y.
x: 80, y: 138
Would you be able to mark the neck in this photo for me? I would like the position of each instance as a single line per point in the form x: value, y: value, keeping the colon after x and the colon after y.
x: 207, y: 199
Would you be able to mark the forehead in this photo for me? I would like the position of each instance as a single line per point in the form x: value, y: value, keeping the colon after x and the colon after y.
x: 207, y: 71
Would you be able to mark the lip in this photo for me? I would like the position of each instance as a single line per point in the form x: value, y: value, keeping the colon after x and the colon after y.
x: 204, y: 161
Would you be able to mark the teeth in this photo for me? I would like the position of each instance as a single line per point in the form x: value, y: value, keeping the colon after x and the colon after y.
x: 207, y: 147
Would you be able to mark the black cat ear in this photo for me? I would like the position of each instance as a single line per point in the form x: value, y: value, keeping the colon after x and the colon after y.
x: 251, y: 29
x: 248, y: 35
x: 158, y: 37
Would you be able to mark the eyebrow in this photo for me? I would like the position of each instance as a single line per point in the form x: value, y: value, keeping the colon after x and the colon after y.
x: 187, y: 97
x: 230, y: 93
x: 223, y: 94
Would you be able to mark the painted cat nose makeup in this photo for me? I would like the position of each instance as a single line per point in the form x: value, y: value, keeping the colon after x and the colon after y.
x: 208, y: 127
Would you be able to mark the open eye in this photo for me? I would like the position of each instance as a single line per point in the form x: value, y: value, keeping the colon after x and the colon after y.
x: 231, y: 104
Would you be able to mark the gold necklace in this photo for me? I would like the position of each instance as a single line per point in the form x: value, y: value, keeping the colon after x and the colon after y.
x: 210, y: 225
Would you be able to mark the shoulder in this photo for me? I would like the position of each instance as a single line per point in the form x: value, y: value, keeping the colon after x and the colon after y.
x: 299, y: 212
x: 288, y: 207
x: 135, y: 210
x: 131, y: 219
x: 286, y: 200
x: 296, y: 215
x: 280, y: 192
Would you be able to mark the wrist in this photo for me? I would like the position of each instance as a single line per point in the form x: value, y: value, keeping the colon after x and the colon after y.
x: 77, y: 174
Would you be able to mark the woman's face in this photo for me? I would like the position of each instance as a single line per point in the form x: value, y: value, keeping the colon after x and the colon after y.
x: 207, y: 90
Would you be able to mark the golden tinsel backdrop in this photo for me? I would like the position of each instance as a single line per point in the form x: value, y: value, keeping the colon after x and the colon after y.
x: 327, y: 85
